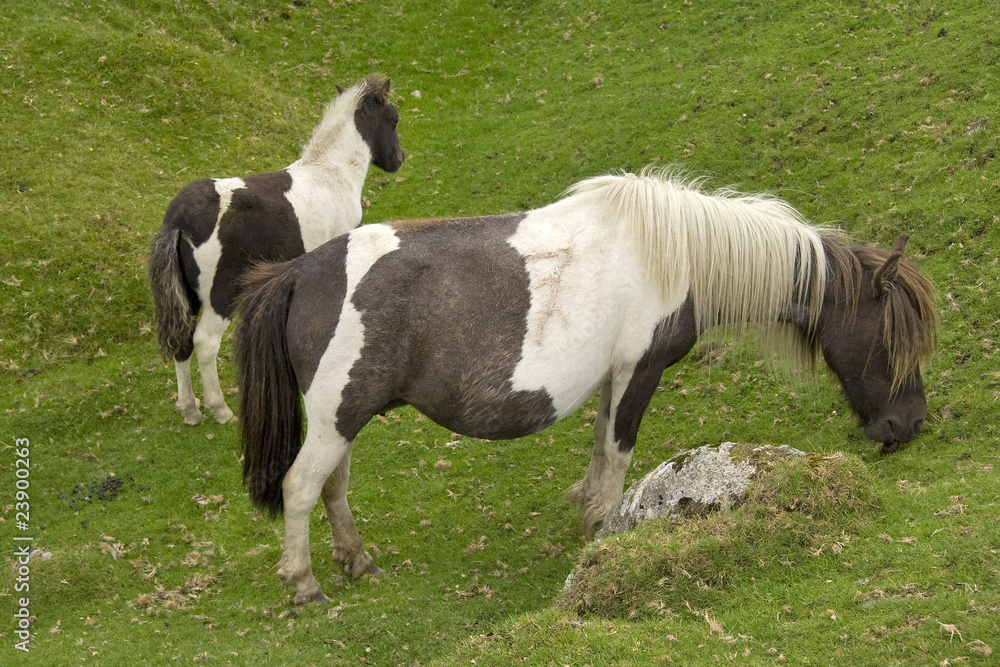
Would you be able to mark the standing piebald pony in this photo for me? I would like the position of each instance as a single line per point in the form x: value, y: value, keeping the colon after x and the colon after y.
x: 496, y: 327
x: 215, y: 229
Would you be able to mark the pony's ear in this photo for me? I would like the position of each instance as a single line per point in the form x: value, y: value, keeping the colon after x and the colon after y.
x: 887, y: 272
x: 386, y: 87
x: 340, y: 91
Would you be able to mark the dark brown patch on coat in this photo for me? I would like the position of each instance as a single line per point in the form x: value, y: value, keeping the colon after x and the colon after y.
x: 315, y: 311
x: 260, y: 225
x: 444, y: 316
x: 194, y: 211
x: 672, y: 339
x: 417, y: 223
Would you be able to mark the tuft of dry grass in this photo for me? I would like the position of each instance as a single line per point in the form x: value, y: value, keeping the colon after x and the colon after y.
x: 797, y: 508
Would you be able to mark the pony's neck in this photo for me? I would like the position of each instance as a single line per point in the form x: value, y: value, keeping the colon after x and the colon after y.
x: 740, y: 279
x: 337, y: 147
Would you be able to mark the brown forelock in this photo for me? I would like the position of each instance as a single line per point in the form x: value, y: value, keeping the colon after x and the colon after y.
x: 910, y: 318
x: 376, y: 89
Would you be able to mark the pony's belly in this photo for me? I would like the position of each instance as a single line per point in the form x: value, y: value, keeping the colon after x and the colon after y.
x: 570, y: 387
x: 486, y: 407
x: 518, y: 415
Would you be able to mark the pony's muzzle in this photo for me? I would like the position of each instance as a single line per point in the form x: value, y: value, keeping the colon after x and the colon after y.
x: 397, y: 161
x: 894, y: 429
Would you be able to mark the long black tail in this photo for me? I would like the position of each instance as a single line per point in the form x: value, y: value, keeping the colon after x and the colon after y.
x: 270, y: 411
x: 175, y: 315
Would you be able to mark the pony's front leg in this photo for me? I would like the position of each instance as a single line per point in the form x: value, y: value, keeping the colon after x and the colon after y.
x: 207, y: 341
x: 187, y: 404
x: 347, y: 547
x: 623, y: 401
x: 300, y: 489
x: 602, y: 485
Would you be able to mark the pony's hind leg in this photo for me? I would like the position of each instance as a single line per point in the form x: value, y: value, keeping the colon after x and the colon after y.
x: 207, y: 341
x: 303, y: 482
x: 187, y: 405
x: 347, y: 547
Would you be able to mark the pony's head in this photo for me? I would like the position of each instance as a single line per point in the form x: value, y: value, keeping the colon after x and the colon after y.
x: 376, y: 119
x: 878, y: 324
x: 364, y: 107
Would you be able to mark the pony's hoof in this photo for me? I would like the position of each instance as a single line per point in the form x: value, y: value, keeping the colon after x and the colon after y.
x: 373, y: 571
x: 304, y: 598
x: 191, y: 413
x: 224, y: 417
x: 192, y: 418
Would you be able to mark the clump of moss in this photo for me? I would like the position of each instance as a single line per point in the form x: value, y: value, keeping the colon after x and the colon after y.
x: 792, y: 509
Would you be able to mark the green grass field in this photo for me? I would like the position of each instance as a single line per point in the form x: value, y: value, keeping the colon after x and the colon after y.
x: 877, y: 117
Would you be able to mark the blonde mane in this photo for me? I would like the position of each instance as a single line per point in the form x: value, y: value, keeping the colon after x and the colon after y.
x: 743, y: 259
x: 339, y: 114
x: 753, y: 260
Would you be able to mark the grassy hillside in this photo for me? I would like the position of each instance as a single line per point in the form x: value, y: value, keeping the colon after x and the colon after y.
x: 878, y: 117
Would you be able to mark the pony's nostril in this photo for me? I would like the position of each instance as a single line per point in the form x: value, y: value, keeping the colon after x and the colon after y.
x: 899, y: 431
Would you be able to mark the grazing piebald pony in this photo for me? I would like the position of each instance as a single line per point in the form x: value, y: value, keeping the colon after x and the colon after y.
x: 496, y: 327
x: 215, y: 229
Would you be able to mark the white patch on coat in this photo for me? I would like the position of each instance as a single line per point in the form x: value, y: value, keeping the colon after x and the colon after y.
x: 324, y: 211
x: 593, y: 311
x: 208, y: 253
x: 364, y: 247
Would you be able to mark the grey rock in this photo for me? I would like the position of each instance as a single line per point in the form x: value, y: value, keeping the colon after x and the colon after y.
x: 694, y: 482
